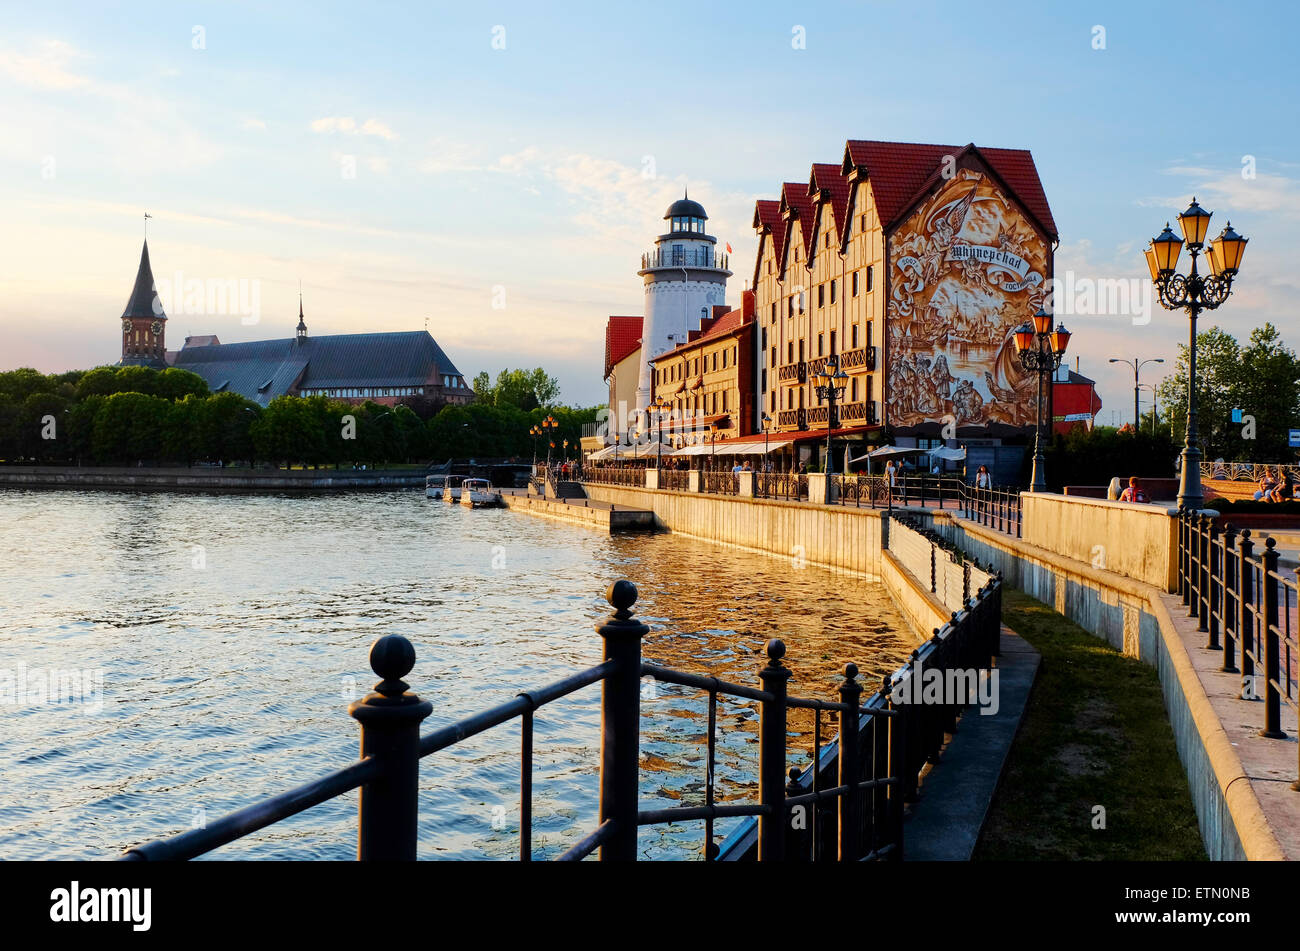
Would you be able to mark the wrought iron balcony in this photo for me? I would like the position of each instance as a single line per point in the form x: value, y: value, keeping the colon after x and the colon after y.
x: 793, y: 373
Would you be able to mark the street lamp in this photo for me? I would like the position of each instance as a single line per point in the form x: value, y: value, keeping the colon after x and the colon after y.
x: 830, y: 389
x: 535, y: 431
x: 549, y: 425
x: 766, y: 420
x: 1041, y: 349
x: 659, y: 406
x: 1155, y: 406
x: 1137, y: 366
x: 1193, y: 293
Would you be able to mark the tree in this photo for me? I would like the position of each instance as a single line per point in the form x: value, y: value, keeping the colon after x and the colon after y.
x: 1260, y: 380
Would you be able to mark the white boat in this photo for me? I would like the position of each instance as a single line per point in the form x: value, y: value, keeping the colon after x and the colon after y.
x: 478, y: 493
x: 444, y: 487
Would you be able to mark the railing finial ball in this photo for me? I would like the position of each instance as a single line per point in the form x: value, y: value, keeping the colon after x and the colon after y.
x: 392, y: 657
x: 1270, y: 542
x: 850, y: 670
x: 775, y: 649
x: 621, y: 594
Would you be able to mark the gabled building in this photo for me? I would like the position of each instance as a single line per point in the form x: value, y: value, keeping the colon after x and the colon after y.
x: 911, y: 265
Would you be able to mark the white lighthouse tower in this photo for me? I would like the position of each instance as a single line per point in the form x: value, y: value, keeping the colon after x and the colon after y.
x: 685, y: 278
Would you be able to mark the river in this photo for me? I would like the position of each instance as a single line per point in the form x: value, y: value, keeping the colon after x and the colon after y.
x: 227, y: 635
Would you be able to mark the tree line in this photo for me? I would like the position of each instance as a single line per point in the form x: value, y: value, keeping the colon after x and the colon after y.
x: 131, y: 415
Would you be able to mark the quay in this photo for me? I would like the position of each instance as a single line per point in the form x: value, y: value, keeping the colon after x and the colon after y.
x: 592, y: 513
x: 205, y: 479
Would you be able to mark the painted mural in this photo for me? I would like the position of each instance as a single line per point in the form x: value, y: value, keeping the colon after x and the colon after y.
x: 968, y: 270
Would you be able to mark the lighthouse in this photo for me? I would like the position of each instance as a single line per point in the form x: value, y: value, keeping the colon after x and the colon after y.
x: 685, y: 278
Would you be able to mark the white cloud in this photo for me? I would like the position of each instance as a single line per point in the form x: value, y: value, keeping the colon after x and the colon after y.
x: 348, y: 126
x: 251, y: 123
x: 46, y: 68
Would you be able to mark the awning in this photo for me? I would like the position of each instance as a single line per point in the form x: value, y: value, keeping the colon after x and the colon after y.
x: 732, y: 449
x: 633, y: 451
x: 943, y: 452
x: 884, y: 452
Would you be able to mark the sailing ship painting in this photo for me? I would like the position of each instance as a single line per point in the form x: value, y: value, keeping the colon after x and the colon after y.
x: 968, y: 269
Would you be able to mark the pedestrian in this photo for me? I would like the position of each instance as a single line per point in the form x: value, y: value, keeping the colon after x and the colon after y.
x: 1134, y: 492
x: 982, y: 478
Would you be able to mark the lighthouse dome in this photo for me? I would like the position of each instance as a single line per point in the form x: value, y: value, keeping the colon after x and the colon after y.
x: 685, y: 208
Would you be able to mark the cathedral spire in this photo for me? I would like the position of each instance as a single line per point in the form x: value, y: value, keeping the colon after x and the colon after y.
x: 302, y: 324
x: 144, y: 300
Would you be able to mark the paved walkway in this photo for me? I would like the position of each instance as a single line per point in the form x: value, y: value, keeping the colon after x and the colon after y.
x: 945, y: 823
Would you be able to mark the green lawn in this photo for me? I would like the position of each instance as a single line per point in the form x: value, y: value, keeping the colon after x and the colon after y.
x: 1095, y: 733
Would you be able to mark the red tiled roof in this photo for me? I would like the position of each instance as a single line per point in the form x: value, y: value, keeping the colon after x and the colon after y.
x: 776, y: 435
x: 716, y: 327
x: 622, y: 337
x: 899, y: 171
x: 831, y: 180
x: 795, y: 199
x: 767, y: 219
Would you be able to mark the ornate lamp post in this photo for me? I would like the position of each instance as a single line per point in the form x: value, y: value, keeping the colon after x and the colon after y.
x: 1193, y: 293
x: 830, y: 389
x: 660, y: 405
x: 535, y: 431
x: 549, y: 425
x: 1137, y: 366
x: 1041, y: 349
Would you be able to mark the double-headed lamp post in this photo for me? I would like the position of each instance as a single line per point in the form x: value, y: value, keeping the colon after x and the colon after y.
x: 1041, y: 349
x: 830, y: 389
x: 1193, y: 293
x: 549, y: 425
x: 1137, y: 366
x: 660, y: 406
x: 766, y: 421
x: 535, y: 431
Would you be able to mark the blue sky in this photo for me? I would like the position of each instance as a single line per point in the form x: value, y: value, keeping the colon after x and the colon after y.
x: 505, y: 194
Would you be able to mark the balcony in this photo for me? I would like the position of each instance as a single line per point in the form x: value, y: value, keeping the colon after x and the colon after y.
x: 684, y: 257
x: 864, y: 358
x: 846, y: 414
x: 798, y: 418
x: 793, y: 373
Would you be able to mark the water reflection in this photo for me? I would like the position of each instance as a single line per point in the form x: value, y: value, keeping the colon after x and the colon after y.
x: 231, y: 633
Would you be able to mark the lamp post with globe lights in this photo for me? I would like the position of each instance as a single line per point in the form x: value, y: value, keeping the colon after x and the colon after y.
x: 1193, y: 293
x: 1040, y: 349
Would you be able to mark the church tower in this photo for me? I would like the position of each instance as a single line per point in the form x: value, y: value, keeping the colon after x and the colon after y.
x: 685, y: 278
x: 144, y: 324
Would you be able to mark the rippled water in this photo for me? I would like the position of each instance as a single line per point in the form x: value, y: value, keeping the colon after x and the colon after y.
x: 231, y: 632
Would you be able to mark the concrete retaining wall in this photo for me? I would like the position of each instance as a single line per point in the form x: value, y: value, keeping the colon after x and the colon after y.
x: 832, y: 537
x: 1137, y: 541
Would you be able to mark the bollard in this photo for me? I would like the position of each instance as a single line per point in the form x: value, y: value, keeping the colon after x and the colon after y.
x: 390, y: 733
x: 771, y: 755
x: 620, y: 723
x: 850, y: 806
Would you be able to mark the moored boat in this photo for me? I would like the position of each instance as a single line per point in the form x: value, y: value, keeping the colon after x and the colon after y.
x: 479, y: 493
x: 444, y: 487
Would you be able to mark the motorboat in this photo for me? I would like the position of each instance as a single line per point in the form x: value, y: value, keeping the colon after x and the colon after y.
x: 444, y: 487
x: 479, y: 493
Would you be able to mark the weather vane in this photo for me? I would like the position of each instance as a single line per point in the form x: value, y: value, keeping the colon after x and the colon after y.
x: 147, y: 216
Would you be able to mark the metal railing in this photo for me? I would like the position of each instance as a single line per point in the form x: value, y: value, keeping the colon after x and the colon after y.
x: 615, y: 475
x: 881, y: 749
x: 1249, y: 471
x: 720, y: 483
x: 684, y: 257
x: 949, y: 572
x: 1247, y: 609
x: 679, y: 480
x: 861, y: 491
x: 793, y: 373
x: 792, y: 486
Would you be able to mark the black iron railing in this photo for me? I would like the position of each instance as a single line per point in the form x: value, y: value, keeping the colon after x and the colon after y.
x: 792, y: 486
x: 615, y: 475
x: 720, y: 483
x: 861, y: 491
x: 1247, y: 608
x: 679, y: 480
x: 876, y: 759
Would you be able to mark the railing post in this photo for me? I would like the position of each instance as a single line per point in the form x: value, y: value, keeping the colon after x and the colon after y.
x: 1182, y: 552
x: 620, y: 723
x: 1229, y: 589
x: 1272, y: 648
x: 1203, y: 572
x: 1214, y: 588
x: 1246, y: 614
x: 771, y: 755
x: 388, y: 814
x: 850, y: 814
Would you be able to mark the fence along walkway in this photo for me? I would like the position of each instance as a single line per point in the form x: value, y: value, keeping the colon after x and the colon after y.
x: 931, y: 560
x: 1248, y: 610
x: 873, y: 767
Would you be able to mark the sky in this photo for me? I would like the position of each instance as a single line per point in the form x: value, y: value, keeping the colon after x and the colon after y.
x: 494, y: 171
